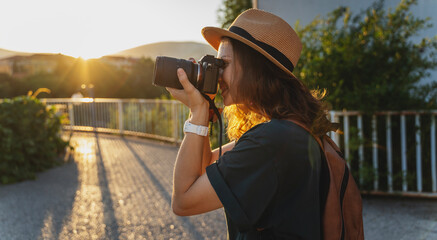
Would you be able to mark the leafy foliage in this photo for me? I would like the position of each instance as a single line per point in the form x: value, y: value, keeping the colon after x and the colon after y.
x: 231, y: 9
x: 139, y: 82
x: 373, y: 61
x: 29, y: 138
x: 369, y: 61
x: 7, y: 85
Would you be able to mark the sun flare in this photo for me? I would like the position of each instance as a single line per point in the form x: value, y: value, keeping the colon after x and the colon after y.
x: 87, y: 55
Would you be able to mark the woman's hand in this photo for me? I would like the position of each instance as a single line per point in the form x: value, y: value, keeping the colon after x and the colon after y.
x: 192, y: 98
x: 189, y: 96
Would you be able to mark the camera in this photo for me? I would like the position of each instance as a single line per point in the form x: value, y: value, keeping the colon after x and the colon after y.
x: 203, y: 75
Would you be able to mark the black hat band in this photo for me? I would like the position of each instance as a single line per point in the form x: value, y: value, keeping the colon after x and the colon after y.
x: 280, y: 57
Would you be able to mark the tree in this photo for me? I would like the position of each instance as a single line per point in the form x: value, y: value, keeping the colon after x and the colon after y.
x: 5, y: 85
x: 368, y: 61
x: 231, y: 9
x: 139, y: 82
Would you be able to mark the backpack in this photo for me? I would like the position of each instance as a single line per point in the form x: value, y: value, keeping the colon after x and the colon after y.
x: 342, y: 216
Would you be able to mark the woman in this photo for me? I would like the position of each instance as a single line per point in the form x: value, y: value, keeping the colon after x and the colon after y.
x: 268, y: 178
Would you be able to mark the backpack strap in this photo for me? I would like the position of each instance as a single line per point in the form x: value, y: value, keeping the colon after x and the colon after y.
x: 333, y: 145
x: 319, y: 141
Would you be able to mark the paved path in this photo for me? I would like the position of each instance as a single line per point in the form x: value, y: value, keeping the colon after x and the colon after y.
x: 120, y: 188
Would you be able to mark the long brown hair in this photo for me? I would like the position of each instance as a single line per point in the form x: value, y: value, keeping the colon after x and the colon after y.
x: 264, y: 91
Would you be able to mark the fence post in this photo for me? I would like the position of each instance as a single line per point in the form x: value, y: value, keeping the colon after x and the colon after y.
x: 143, y: 115
x: 335, y: 137
x: 404, y: 153
x: 93, y: 113
x: 375, y: 153
x: 389, y: 154
x: 418, y: 154
x: 346, y: 138
x: 120, y: 116
x: 361, y: 147
x: 71, y: 115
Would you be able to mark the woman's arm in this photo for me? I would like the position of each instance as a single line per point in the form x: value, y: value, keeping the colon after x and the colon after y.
x: 192, y: 191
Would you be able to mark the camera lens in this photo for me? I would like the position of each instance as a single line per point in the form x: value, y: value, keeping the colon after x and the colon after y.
x: 165, y: 72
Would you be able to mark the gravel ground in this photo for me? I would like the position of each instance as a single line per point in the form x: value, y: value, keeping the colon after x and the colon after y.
x: 120, y: 188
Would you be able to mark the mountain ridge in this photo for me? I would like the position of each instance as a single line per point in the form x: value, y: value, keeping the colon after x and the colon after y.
x: 174, y: 49
x: 5, y: 53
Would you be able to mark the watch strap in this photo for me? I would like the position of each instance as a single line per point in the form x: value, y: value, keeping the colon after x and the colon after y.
x: 197, y: 129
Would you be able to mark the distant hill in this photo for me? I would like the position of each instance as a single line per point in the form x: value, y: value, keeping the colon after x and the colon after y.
x: 7, y: 53
x: 172, y: 49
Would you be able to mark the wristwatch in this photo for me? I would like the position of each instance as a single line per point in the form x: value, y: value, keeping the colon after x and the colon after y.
x: 197, y: 129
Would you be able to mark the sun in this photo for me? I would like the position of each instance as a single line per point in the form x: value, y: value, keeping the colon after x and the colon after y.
x: 86, y: 54
x: 87, y: 57
x: 91, y: 55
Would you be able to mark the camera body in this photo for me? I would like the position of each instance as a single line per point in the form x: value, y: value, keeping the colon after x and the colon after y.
x: 203, y: 75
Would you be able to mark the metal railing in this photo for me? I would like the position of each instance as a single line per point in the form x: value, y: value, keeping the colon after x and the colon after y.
x: 390, y: 152
x: 396, y: 149
x: 158, y: 119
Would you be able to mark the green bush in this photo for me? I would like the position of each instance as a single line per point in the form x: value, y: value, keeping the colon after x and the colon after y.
x: 30, y: 140
x: 369, y: 61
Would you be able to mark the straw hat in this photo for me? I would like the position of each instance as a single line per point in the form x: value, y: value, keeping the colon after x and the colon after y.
x: 266, y: 33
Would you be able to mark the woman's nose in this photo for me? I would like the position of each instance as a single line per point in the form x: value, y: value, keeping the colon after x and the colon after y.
x: 220, y: 77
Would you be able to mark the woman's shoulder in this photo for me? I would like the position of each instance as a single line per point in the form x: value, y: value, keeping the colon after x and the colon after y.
x: 276, y: 130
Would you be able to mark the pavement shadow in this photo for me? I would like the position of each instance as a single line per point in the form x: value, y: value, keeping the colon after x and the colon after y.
x: 37, y: 209
x: 59, y: 212
x: 111, y: 225
x: 165, y: 194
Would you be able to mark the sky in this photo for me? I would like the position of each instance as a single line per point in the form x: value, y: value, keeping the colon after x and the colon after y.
x: 93, y: 28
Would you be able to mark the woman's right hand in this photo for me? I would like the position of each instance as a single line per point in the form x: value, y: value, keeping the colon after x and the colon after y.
x: 189, y: 95
x: 192, y: 98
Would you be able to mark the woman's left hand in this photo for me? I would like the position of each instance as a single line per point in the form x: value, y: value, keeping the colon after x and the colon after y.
x: 189, y: 96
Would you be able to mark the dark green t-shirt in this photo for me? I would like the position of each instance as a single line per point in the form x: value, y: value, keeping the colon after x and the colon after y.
x: 270, y: 181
